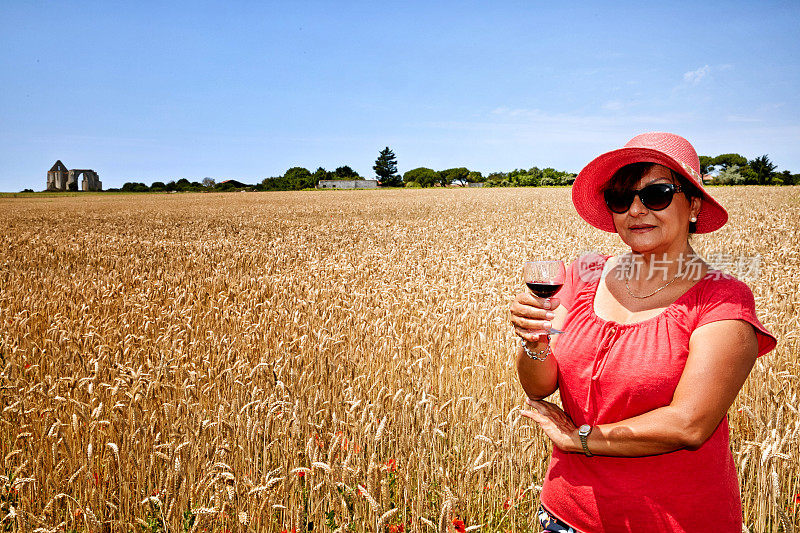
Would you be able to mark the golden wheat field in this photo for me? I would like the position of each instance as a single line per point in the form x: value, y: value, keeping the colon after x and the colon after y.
x: 320, y: 361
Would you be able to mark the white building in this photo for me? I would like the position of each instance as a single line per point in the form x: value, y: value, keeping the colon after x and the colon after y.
x: 347, y: 184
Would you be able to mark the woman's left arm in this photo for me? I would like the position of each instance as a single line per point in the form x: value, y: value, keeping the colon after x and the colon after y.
x: 721, y: 355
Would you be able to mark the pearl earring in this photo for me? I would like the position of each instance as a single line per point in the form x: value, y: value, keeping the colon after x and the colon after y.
x: 693, y: 219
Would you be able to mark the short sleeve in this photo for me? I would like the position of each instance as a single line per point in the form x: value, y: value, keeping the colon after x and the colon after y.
x: 731, y: 299
x: 585, y: 269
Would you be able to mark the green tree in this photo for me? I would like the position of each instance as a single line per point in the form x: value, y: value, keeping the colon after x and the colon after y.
x: 731, y: 175
x: 497, y: 179
x: 209, y: 183
x: 787, y: 178
x: 426, y: 177
x: 134, y: 187
x: 158, y: 186
x: 749, y: 175
x: 727, y: 160
x: 321, y: 174
x: 526, y: 178
x: 706, y: 164
x: 567, y: 178
x: 763, y: 168
x: 299, y: 178
x: 552, y: 176
x: 453, y: 175
x: 346, y: 173
x: 183, y: 185
x: 475, y: 177
x: 294, y: 179
x: 386, y: 169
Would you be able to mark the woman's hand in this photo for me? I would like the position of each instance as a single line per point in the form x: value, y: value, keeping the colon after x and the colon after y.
x: 556, y: 424
x: 531, y: 316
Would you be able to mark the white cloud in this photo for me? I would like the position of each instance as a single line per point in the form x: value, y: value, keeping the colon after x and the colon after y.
x: 693, y: 77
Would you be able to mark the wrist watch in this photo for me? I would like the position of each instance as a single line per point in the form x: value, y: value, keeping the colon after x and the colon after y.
x: 583, y: 433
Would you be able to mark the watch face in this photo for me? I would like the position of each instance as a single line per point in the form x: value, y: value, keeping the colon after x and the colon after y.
x: 584, y: 429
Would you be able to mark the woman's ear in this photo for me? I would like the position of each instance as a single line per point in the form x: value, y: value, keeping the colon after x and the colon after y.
x: 694, y: 207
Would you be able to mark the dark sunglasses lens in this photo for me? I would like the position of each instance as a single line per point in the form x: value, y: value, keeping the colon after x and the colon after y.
x: 657, y: 196
x: 618, y: 201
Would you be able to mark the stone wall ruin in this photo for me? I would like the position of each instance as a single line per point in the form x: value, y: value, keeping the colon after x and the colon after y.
x: 59, y: 178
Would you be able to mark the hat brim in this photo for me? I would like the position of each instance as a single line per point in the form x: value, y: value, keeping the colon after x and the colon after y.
x: 587, y: 191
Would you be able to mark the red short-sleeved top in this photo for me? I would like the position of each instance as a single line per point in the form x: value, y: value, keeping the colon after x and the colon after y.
x: 608, y: 372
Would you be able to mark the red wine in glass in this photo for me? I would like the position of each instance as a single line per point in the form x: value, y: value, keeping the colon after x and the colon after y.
x: 543, y: 290
x: 544, y: 279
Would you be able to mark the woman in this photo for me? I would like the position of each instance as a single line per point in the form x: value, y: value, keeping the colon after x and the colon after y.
x: 656, y: 347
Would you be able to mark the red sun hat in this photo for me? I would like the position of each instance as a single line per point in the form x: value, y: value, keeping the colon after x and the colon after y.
x: 667, y: 149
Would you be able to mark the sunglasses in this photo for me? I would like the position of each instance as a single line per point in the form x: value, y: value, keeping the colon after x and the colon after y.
x: 654, y: 197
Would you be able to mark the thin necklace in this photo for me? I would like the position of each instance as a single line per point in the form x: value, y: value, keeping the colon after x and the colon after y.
x: 630, y: 274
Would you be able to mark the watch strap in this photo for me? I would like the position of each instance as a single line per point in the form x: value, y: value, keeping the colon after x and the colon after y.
x: 583, y: 434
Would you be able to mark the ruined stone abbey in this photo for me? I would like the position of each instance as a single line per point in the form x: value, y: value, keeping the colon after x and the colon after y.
x: 61, y: 179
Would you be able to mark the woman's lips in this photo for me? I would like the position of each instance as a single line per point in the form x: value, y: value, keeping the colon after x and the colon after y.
x: 642, y: 228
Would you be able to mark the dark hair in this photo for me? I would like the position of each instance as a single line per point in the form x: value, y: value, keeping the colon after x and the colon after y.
x: 626, y: 177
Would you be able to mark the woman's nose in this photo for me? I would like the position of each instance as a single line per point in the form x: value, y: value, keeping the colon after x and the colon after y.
x: 637, y: 207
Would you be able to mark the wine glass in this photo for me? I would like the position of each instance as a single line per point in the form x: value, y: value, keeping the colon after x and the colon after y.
x: 544, y: 279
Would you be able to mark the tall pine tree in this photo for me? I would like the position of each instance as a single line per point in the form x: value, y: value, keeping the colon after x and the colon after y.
x: 386, y: 169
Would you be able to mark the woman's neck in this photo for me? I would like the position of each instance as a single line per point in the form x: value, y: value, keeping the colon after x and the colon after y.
x: 659, y: 267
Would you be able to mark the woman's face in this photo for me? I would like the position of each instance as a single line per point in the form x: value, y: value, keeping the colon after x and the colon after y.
x: 659, y: 232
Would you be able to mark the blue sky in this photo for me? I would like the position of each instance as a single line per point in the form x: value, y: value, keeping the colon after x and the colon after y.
x: 147, y: 91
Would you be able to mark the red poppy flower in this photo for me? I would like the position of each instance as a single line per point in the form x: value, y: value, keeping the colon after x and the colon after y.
x: 391, y: 465
x: 797, y: 498
x: 459, y: 526
x: 507, y: 504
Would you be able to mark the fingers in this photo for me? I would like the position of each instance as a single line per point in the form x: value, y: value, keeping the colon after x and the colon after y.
x: 534, y: 412
x: 546, y: 408
x: 542, y: 407
x: 553, y: 421
x: 528, y: 298
x: 551, y: 428
x: 533, y: 415
x: 530, y: 321
x: 550, y: 411
x: 534, y: 333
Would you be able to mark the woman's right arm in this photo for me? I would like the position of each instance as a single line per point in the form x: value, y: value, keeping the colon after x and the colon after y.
x: 531, y: 315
